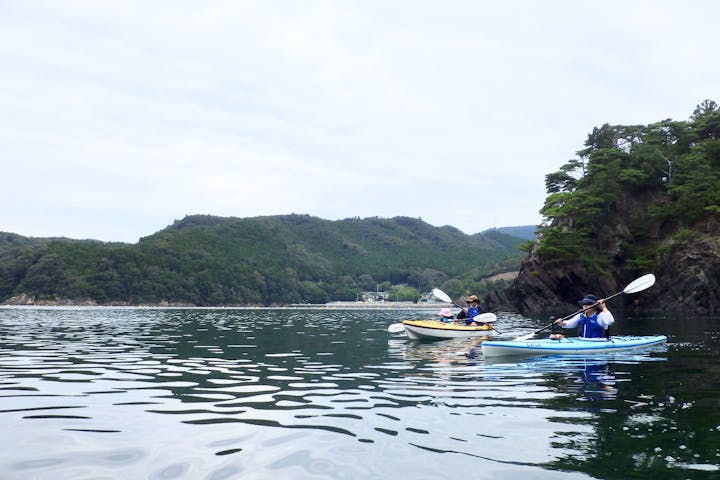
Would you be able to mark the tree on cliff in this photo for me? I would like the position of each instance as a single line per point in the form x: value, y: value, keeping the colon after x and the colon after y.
x: 610, y: 212
x: 622, y: 163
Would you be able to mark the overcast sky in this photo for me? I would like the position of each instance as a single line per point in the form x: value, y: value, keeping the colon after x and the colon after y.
x: 116, y: 118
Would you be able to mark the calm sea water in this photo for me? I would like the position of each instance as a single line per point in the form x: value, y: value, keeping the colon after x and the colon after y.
x: 108, y: 393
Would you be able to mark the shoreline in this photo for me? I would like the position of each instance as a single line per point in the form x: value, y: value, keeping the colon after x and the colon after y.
x: 294, y: 306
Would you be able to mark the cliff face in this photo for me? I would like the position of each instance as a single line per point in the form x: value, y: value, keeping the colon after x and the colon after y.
x: 687, y: 275
x: 541, y: 290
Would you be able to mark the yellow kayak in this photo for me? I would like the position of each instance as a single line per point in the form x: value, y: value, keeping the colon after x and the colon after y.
x: 436, y: 330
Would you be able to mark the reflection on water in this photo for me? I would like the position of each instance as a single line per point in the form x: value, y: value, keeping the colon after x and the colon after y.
x: 229, y: 393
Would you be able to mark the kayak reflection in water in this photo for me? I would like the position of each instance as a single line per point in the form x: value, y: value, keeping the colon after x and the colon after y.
x: 598, y: 381
x: 593, y: 322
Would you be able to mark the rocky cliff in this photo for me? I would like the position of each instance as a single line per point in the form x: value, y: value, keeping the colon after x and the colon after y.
x: 688, y: 276
x: 687, y: 273
x: 639, y: 199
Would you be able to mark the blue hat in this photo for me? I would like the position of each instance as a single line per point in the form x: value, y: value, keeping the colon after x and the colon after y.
x: 588, y: 300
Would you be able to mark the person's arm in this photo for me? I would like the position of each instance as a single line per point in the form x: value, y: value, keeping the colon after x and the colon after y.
x: 605, y: 317
x: 571, y: 323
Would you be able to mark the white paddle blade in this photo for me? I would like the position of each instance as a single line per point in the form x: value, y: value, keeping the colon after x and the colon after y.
x: 485, y: 318
x: 440, y: 295
x: 396, y: 328
x: 640, y: 284
x: 524, y: 337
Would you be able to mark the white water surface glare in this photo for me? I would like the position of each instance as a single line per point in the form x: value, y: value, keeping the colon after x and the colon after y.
x: 115, y: 393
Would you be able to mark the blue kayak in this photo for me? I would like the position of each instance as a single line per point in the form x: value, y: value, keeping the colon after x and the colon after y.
x: 565, y: 345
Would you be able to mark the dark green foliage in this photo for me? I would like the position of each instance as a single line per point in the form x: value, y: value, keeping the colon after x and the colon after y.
x: 511, y: 237
x: 206, y: 260
x: 559, y: 182
x: 404, y: 293
x: 696, y: 185
x: 672, y: 166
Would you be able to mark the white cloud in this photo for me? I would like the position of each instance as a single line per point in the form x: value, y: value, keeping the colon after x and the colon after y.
x: 120, y: 117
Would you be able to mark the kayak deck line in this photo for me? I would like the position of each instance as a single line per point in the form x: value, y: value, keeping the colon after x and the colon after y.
x: 437, y: 330
x: 436, y: 324
x: 572, y: 345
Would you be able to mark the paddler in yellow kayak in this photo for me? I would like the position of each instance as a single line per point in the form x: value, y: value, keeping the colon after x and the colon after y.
x: 471, y: 311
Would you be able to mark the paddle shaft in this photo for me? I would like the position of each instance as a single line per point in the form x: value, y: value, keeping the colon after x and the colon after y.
x: 445, y: 297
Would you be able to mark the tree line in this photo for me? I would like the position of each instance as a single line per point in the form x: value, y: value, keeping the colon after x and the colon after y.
x: 631, y: 187
x: 274, y: 260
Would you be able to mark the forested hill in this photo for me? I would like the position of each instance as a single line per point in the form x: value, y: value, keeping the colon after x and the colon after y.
x: 637, y: 199
x: 273, y: 260
x: 526, y: 232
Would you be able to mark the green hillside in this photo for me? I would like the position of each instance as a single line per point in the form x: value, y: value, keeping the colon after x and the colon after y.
x: 207, y: 260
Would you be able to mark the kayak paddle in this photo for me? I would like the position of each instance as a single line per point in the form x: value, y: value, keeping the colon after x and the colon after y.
x: 485, y: 318
x: 396, y: 328
x: 637, y: 285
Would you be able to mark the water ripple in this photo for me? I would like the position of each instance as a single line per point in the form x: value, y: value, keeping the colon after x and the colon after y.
x: 224, y: 382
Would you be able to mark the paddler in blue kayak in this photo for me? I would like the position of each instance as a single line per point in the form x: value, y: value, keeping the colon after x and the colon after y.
x: 593, y: 322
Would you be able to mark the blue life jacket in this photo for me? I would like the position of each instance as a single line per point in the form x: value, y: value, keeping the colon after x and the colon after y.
x: 589, y: 327
x: 471, y: 313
